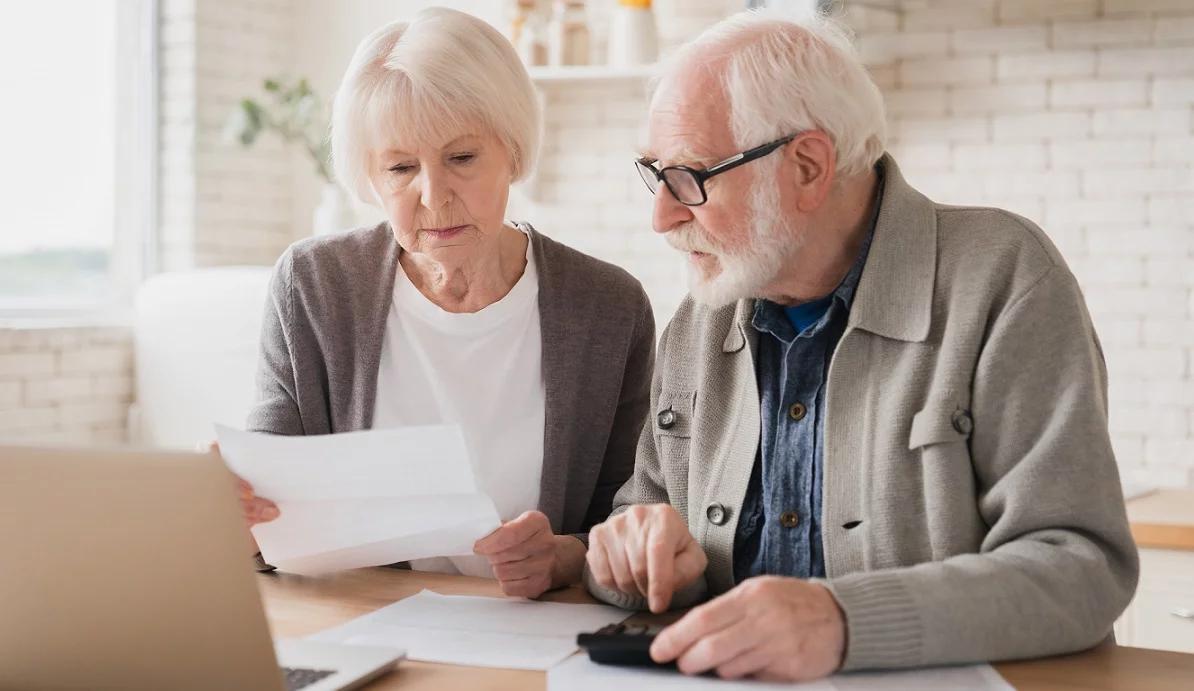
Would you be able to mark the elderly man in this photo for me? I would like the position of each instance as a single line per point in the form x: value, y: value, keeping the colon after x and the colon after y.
x: 878, y: 435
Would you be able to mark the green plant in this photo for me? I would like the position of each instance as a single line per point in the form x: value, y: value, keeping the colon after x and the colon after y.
x: 295, y: 113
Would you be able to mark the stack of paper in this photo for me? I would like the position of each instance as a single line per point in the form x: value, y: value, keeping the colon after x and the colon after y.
x: 477, y: 631
x: 362, y: 498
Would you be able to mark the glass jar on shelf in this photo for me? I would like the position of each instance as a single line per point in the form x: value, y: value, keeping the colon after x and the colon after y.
x: 568, y: 34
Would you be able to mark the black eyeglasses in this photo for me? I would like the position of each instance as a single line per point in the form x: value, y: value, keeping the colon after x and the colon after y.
x: 687, y: 184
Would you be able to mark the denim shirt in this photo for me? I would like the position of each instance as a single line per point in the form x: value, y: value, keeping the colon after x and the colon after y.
x: 779, y: 532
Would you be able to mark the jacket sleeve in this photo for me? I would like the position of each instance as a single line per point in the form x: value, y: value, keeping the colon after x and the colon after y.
x: 1058, y: 564
x: 633, y: 401
x: 276, y: 410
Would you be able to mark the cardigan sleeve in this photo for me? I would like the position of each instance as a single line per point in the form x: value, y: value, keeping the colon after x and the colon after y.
x: 633, y: 403
x: 1058, y: 563
x: 276, y: 410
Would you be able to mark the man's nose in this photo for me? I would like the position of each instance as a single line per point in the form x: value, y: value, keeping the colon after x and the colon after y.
x: 668, y: 213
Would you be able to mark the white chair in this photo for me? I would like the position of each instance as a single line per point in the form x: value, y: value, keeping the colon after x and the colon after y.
x: 195, y: 341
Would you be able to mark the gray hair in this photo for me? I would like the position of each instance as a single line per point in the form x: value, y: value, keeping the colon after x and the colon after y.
x: 440, y: 74
x: 785, y: 73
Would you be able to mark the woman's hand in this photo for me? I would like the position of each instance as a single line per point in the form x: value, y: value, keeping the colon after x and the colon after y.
x: 254, y: 508
x: 528, y: 559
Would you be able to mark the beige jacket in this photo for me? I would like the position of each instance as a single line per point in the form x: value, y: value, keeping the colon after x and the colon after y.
x: 972, y: 505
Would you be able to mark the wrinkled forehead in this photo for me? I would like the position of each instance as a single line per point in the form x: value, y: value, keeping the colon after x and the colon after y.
x: 688, y: 120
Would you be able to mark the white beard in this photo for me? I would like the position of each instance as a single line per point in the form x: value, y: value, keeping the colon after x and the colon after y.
x: 745, y: 272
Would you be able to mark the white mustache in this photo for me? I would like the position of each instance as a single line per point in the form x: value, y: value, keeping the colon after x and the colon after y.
x: 690, y: 238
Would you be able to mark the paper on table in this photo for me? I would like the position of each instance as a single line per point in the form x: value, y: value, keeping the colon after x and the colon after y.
x: 361, y: 498
x: 578, y: 673
x: 477, y: 631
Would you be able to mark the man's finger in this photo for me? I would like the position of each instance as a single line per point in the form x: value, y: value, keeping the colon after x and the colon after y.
x: 702, y: 621
x: 598, y: 562
x: 620, y: 569
x: 720, y: 647
x: 636, y: 562
x: 749, y: 662
x: 688, y: 565
x: 660, y: 586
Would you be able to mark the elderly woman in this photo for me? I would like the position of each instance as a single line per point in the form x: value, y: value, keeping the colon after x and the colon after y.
x: 446, y: 313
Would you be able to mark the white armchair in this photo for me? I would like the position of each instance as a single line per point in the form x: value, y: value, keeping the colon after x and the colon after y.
x: 195, y: 340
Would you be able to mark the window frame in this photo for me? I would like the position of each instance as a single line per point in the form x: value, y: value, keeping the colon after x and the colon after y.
x: 134, y: 248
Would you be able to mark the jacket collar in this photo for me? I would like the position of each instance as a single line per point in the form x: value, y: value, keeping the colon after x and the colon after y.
x: 894, y: 297
x: 895, y: 294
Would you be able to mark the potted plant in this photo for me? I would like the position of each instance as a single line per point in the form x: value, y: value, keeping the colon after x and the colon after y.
x: 295, y: 113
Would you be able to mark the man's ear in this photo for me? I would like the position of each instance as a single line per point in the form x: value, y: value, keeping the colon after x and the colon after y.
x: 810, y: 161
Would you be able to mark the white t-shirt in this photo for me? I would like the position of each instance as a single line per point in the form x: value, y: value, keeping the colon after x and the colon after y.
x: 481, y: 370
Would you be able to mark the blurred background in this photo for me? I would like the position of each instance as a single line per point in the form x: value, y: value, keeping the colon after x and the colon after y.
x: 151, y: 176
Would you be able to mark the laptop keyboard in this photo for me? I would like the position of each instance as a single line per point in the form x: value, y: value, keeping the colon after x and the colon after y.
x: 300, y: 677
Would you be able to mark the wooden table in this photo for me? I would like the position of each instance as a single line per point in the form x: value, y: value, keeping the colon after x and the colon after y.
x: 1163, y: 519
x: 298, y: 606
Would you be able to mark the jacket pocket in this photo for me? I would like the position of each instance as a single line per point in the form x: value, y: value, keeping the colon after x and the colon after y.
x: 672, y: 416
x: 940, y: 423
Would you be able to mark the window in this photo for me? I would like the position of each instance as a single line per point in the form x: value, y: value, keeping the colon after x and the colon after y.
x: 77, y: 174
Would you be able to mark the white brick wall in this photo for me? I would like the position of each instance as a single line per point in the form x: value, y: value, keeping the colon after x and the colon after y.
x: 243, y: 202
x: 68, y: 384
x: 221, y: 204
x: 1088, y: 129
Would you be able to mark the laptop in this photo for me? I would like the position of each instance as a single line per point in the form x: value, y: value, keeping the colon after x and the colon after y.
x: 126, y: 569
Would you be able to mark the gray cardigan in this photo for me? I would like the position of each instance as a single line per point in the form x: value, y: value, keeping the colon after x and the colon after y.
x: 972, y: 505
x: 321, y: 345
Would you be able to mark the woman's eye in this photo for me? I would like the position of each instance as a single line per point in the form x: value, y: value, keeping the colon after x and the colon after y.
x: 463, y: 158
x: 401, y: 168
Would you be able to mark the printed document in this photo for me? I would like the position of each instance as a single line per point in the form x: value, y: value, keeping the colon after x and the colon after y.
x: 361, y: 498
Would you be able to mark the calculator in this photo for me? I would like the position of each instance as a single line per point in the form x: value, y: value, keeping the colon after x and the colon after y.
x: 621, y: 644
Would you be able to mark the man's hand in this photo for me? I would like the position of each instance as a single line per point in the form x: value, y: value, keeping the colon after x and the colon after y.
x: 770, y: 627
x: 647, y: 551
x: 528, y: 559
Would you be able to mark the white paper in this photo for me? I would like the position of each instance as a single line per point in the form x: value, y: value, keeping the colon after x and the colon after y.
x: 361, y: 498
x: 578, y: 673
x: 477, y: 631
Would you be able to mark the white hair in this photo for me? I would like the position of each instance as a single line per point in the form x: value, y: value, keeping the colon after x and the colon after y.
x: 784, y: 73
x: 443, y: 73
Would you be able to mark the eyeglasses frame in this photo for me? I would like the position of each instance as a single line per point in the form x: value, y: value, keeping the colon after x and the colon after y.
x: 702, y: 175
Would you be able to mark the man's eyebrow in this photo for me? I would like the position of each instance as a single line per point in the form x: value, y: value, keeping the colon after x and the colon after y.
x: 683, y: 156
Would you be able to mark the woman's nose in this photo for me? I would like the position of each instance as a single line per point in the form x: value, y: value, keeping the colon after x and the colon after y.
x: 435, y: 191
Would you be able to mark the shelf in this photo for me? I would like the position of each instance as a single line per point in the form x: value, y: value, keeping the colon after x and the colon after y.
x: 589, y: 73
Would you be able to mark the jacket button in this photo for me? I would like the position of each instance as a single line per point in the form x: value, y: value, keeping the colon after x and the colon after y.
x: 962, y: 422
x: 797, y: 411
x: 717, y: 514
x: 666, y: 419
x: 789, y: 519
